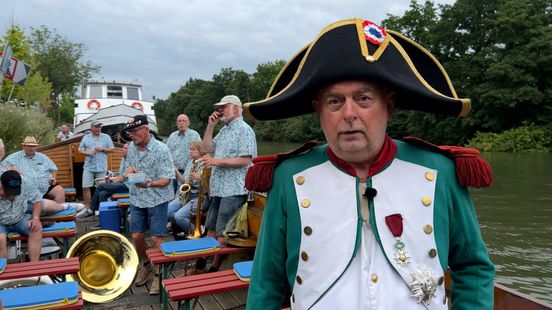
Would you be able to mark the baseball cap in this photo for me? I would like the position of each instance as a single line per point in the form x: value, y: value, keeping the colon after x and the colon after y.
x: 95, y: 123
x: 11, y: 182
x: 233, y: 99
x: 136, y: 121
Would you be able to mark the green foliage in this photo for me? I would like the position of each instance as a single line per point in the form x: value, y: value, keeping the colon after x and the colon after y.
x: 17, y: 122
x: 526, y: 138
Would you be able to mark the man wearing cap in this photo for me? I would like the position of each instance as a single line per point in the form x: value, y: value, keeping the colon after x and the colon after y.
x: 365, y: 221
x: 149, y: 198
x: 95, y: 146
x: 15, y: 194
x: 39, y: 168
x: 179, y: 143
x: 233, y: 148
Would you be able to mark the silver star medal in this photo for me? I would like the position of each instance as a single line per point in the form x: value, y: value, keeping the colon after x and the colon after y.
x: 423, y: 285
x: 401, y: 256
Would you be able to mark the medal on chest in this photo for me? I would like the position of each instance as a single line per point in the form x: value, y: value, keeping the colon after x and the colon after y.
x: 395, y: 224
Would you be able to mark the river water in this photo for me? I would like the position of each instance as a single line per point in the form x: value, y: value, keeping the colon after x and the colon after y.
x: 515, y: 214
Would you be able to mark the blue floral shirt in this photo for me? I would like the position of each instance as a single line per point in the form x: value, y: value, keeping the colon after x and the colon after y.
x: 12, y: 212
x: 179, y: 144
x: 38, y: 169
x: 234, y: 140
x: 156, y: 163
x: 98, y: 161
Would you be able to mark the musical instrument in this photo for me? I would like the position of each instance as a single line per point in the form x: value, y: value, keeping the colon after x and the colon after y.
x: 203, y: 191
x: 108, y: 265
x: 187, y: 187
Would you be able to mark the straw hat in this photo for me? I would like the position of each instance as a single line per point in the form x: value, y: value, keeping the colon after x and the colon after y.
x: 30, y: 141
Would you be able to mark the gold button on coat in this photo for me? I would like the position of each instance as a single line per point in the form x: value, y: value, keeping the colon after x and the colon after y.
x: 307, y: 230
x: 300, y: 180
x: 305, y: 203
x: 429, y: 176
x: 374, y: 278
x: 304, y: 256
x: 299, y: 280
x: 432, y: 253
x: 426, y: 201
x: 428, y: 229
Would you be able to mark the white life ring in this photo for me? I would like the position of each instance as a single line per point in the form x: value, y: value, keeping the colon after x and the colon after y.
x: 137, y: 105
x: 93, y: 105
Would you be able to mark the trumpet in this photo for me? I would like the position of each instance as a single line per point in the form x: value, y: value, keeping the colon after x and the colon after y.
x: 187, y: 187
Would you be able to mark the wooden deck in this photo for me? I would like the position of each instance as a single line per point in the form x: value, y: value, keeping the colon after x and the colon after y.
x: 139, y: 298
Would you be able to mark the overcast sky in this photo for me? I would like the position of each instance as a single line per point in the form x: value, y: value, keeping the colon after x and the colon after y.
x: 161, y: 44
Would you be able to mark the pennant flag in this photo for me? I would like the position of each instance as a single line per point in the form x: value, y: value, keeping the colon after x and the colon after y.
x: 6, y: 60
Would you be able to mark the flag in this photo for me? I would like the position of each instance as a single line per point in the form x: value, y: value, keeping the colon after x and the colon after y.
x: 6, y: 59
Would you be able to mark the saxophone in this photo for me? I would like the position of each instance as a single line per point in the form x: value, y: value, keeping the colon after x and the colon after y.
x: 187, y: 187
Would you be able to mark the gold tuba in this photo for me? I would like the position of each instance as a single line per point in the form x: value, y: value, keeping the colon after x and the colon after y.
x: 187, y: 187
x: 108, y: 264
x: 203, y: 192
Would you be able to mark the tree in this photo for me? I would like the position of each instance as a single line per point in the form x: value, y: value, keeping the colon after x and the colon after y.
x: 60, y: 62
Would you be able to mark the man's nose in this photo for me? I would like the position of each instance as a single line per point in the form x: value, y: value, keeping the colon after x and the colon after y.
x: 349, y: 110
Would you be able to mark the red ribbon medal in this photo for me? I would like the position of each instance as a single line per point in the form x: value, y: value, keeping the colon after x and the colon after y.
x: 395, y: 224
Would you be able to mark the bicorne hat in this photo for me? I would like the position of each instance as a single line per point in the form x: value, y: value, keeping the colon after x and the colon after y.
x: 356, y: 49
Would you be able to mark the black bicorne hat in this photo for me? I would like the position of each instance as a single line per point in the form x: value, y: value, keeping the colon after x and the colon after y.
x: 356, y: 49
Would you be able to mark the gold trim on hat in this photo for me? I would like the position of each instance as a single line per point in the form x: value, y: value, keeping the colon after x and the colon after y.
x: 364, y: 45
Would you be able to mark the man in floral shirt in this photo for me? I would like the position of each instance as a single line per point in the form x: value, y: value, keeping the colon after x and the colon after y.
x: 149, y: 199
x: 234, y: 147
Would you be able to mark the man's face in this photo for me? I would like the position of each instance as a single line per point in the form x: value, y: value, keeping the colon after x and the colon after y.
x: 64, y: 129
x: 182, y: 122
x: 139, y: 134
x: 96, y: 129
x: 227, y: 112
x: 354, y: 116
x: 29, y: 150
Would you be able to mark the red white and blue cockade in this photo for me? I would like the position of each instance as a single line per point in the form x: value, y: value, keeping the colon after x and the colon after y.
x: 373, y: 32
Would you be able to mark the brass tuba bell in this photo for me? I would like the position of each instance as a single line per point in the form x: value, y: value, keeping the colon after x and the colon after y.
x: 108, y: 264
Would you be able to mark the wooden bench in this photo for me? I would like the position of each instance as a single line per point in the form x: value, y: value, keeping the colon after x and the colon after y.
x: 166, y: 263
x: 61, y: 266
x: 69, y: 231
x: 184, y: 289
x: 120, y: 196
x: 68, y: 215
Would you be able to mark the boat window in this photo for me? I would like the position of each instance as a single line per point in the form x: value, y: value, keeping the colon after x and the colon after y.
x: 95, y: 92
x: 132, y: 93
x: 114, y: 91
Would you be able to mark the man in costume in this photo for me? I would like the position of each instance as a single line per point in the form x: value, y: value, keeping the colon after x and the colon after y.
x: 367, y: 222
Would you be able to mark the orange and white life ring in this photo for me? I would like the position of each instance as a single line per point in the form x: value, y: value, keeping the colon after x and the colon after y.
x: 137, y: 105
x: 93, y: 105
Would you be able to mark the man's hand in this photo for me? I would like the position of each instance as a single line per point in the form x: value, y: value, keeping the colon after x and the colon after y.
x: 149, y: 183
x: 130, y: 169
x: 34, y: 225
x: 99, y: 149
x: 52, y: 181
x: 209, y: 161
x: 214, y: 119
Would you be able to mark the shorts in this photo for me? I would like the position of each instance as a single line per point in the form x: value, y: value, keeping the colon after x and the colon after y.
x: 88, y: 177
x: 30, y: 208
x: 50, y: 188
x: 21, y: 227
x: 153, y: 219
x: 221, y: 210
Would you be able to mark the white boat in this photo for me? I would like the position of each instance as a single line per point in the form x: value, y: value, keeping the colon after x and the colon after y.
x: 112, y: 104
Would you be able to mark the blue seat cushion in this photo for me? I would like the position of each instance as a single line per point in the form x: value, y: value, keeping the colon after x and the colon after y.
x: 243, y: 270
x: 3, y: 264
x: 60, y: 214
x: 187, y: 247
x: 57, y: 294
